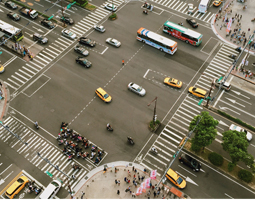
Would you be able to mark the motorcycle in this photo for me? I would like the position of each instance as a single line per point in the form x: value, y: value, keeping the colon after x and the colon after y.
x: 36, y: 125
x: 154, y: 150
x: 180, y: 23
x: 108, y: 127
x: 145, y: 12
x: 38, y: 190
x: 130, y: 140
x: 238, y: 49
x: 232, y: 56
x: 75, y: 166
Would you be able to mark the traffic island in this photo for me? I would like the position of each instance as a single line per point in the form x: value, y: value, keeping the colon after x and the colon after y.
x: 113, y: 16
x: 153, y: 126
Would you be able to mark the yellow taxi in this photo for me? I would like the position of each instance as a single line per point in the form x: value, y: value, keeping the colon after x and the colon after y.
x: 217, y: 3
x: 173, y: 82
x: 198, y: 92
x: 1, y: 68
x: 176, y: 179
x: 16, y: 187
x: 102, y: 94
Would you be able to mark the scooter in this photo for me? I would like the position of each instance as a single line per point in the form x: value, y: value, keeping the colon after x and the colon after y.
x: 130, y: 140
x: 232, y: 56
x: 238, y: 49
x: 154, y: 150
x: 38, y: 190
x: 145, y: 12
x: 36, y: 125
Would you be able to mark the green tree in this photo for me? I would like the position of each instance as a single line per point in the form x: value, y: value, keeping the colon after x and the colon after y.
x: 205, y: 131
x: 80, y: 2
x: 236, y: 144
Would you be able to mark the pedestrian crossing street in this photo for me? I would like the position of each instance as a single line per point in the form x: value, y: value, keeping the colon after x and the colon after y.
x: 36, y: 143
x: 177, y: 128
x: 30, y: 69
x: 182, y: 6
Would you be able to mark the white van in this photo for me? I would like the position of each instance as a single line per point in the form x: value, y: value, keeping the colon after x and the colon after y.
x: 203, y: 6
x: 51, y: 190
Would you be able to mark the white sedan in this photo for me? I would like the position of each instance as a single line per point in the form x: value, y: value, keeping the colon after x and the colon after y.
x: 233, y: 127
x: 190, y: 8
x: 111, y: 7
x: 99, y: 28
x: 68, y: 34
x: 113, y: 42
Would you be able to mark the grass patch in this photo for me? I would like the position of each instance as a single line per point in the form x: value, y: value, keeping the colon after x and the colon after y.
x: 90, y: 7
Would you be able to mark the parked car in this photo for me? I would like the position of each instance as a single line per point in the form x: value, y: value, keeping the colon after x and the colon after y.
x: 173, y: 82
x: 102, y: 94
x: 99, y: 28
x: 111, y: 7
x: 81, y: 50
x: 68, y: 34
x: 191, y: 162
x: 10, y: 5
x: 136, y: 89
x: 192, y: 22
x: 233, y: 127
x: 67, y: 20
x: 47, y: 23
x: 226, y: 86
x: 190, y: 8
x: 13, y: 16
x: 87, y: 41
x: 83, y: 61
x: 217, y: 3
x: 113, y: 42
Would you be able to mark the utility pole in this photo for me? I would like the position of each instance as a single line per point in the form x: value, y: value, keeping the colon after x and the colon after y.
x: 209, y: 95
x: 63, y: 14
x: 154, y: 115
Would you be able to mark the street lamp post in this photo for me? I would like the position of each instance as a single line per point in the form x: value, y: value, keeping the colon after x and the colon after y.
x: 63, y: 14
x: 154, y: 115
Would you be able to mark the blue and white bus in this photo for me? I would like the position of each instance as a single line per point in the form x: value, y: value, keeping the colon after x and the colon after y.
x: 158, y: 41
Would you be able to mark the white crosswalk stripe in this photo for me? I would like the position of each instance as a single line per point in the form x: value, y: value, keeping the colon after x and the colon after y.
x: 177, y: 128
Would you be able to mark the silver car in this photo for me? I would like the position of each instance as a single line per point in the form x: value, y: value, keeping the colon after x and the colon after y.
x: 113, y: 42
x: 111, y: 7
x: 81, y: 50
x: 99, y: 28
x: 190, y: 8
x: 233, y: 127
x: 136, y: 89
x: 68, y: 34
x: 226, y: 86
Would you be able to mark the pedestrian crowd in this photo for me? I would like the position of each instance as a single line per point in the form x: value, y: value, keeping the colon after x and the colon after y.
x: 74, y: 146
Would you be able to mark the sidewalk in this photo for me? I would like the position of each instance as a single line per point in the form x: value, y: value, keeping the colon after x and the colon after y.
x: 233, y: 9
x: 4, y: 102
x: 100, y: 185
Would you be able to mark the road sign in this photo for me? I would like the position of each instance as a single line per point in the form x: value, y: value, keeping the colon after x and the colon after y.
x: 199, y: 103
x: 51, y: 17
x: 49, y: 174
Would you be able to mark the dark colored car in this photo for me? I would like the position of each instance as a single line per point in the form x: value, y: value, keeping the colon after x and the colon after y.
x: 83, y: 61
x: 191, y: 162
x: 13, y: 16
x: 41, y: 39
x: 192, y: 22
x: 67, y: 20
x: 87, y: 41
x: 47, y: 23
x: 11, y: 5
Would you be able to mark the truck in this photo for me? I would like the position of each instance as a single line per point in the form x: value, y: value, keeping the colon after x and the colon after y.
x: 29, y: 12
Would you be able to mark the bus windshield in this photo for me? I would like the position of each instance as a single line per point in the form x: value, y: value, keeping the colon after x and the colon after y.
x: 182, y: 33
x: 11, y: 31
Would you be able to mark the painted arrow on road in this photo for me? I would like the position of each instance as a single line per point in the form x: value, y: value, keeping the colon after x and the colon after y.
x: 234, y: 101
x: 225, y: 108
x: 37, y: 29
x: 191, y: 181
x: 239, y: 93
x: 223, y: 123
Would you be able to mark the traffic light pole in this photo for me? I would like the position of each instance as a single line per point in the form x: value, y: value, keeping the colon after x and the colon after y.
x: 55, y: 166
x: 16, y: 135
x: 179, y: 150
x: 154, y: 115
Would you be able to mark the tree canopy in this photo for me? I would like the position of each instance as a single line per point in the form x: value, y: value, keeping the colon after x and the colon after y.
x: 236, y: 144
x: 205, y: 131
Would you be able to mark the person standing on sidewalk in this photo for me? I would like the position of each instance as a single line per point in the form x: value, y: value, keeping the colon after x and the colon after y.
x: 82, y: 194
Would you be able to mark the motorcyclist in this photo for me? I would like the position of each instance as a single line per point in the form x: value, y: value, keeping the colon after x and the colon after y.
x: 154, y: 150
x: 108, y: 126
x: 145, y: 11
x: 129, y: 139
x: 180, y: 23
x: 36, y: 123
x: 37, y: 190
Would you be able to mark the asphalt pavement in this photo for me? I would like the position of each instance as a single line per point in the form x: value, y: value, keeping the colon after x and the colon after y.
x: 5, y: 100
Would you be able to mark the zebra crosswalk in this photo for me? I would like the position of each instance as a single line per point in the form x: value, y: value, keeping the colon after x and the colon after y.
x: 177, y: 128
x: 182, y: 7
x: 41, y: 60
x: 36, y: 143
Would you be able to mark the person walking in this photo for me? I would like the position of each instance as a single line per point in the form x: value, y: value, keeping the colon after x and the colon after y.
x: 220, y: 26
x: 154, y: 194
x: 139, y: 178
x: 118, y: 192
x: 123, y: 62
x: 118, y: 182
x: 82, y: 194
x: 133, y: 194
x: 240, y: 17
x: 149, y: 193
x: 129, y: 174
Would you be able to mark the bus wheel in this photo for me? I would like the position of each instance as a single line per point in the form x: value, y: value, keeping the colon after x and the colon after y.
x: 161, y: 49
x: 187, y: 41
